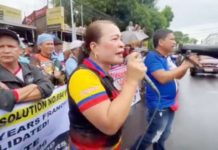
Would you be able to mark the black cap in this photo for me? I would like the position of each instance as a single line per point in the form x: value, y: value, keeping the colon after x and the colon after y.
x: 57, y: 41
x: 30, y: 44
x: 10, y: 33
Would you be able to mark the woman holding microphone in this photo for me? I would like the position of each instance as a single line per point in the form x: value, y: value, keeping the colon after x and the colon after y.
x: 97, y: 110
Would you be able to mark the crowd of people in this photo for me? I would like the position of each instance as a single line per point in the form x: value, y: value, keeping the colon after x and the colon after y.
x: 98, y: 110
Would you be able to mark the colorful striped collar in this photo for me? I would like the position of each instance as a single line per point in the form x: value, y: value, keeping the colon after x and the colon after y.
x: 94, y: 66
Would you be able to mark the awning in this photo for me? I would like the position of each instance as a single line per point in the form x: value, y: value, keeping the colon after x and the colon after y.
x: 17, y: 25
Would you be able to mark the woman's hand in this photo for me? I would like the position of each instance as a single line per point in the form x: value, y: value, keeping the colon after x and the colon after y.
x: 135, y: 68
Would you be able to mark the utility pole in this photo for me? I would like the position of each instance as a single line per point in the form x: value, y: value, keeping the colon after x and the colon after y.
x: 47, y: 3
x: 72, y: 21
x: 81, y: 8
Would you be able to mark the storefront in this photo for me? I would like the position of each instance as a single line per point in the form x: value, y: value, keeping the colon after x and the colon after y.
x: 24, y: 31
x: 10, y: 18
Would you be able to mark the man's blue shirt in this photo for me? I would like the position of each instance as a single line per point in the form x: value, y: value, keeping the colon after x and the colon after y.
x: 154, y: 62
x: 58, y: 56
x: 71, y: 65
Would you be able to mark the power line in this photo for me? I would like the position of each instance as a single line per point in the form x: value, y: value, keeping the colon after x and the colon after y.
x: 93, y: 12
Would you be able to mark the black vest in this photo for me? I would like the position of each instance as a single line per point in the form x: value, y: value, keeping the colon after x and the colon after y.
x: 81, y: 127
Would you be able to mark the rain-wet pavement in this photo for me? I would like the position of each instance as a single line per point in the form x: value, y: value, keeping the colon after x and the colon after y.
x: 196, y: 122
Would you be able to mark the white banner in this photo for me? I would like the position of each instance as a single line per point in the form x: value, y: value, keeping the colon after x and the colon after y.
x: 41, y: 125
x: 118, y: 74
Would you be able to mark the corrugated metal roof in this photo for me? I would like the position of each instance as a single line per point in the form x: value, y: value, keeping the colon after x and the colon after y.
x: 17, y: 25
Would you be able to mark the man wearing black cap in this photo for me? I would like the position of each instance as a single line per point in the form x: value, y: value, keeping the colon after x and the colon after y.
x: 28, y: 49
x: 19, y: 82
x: 58, y: 50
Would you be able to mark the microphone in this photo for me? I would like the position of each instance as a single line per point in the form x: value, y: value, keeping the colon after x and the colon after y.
x: 191, y: 61
x: 148, y: 80
x: 153, y: 86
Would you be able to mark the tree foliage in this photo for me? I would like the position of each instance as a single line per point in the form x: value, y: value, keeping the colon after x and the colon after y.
x: 184, y: 38
x: 142, y: 12
x: 168, y: 15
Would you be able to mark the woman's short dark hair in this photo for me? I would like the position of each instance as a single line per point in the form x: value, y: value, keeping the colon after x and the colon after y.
x: 160, y: 34
x: 93, y: 34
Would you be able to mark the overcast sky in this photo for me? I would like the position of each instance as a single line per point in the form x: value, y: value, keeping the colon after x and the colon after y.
x: 198, y: 18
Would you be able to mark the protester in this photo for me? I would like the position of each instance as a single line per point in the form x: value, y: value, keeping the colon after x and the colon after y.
x: 28, y: 49
x: 19, y: 82
x: 130, y: 27
x: 163, y: 73
x: 50, y: 66
x: 58, y: 50
x: 22, y: 57
x: 97, y: 110
x: 67, y: 53
x: 72, y: 61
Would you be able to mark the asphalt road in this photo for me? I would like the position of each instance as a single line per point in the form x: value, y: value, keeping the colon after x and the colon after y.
x: 196, y: 122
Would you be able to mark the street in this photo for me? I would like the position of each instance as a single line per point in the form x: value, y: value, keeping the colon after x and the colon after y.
x: 195, y: 124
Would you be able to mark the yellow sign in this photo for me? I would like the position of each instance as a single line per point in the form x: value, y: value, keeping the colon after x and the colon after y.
x: 10, y: 14
x: 55, y: 16
x: 56, y: 20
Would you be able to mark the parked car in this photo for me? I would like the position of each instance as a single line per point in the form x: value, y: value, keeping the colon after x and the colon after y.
x: 209, y: 65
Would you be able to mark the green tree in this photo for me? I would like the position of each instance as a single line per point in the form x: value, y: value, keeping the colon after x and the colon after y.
x: 142, y: 12
x: 183, y: 38
x: 168, y: 15
x: 150, y: 3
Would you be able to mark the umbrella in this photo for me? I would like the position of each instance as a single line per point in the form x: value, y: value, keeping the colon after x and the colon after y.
x: 132, y: 36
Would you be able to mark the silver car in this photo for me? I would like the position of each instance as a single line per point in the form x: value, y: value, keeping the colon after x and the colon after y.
x: 209, y: 65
